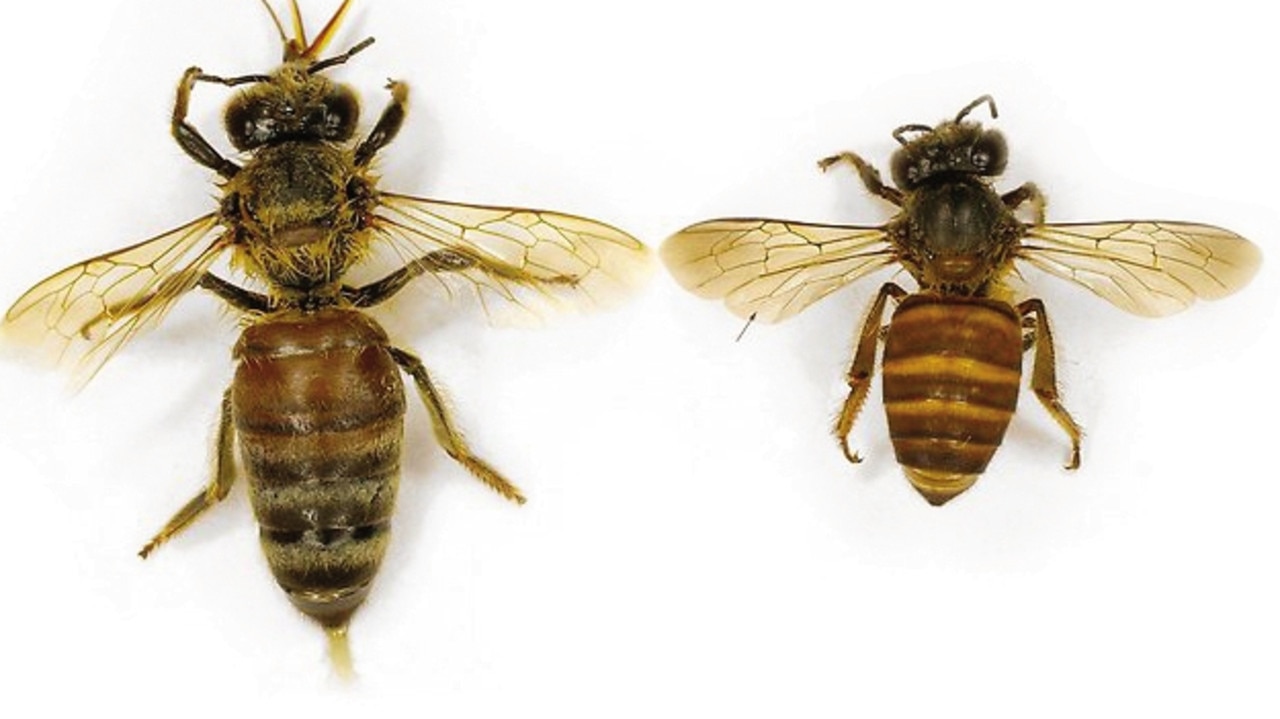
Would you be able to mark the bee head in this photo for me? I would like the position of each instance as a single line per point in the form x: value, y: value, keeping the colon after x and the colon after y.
x: 953, y: 147
x: 296, y: 102
x: 291, y: 104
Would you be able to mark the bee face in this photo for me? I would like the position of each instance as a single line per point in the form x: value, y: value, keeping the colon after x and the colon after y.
x: 952, y: 148
x: 295, y: 104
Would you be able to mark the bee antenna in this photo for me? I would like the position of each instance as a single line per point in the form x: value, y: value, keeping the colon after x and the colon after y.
x: 991, y: 103
x: 284, y: 39
x: 339, y: 59
x: 299, y: 30
x: 293, y: 47
x: 325, y: 35
x: 897, y: 134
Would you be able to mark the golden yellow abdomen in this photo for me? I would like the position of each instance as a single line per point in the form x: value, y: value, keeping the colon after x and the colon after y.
x: 952, y: 368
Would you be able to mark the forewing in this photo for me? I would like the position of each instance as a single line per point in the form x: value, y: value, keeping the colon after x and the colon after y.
x: 83, y: 314
x: 1148, y: 268
x: 507, y: 253
x: 771, y: 269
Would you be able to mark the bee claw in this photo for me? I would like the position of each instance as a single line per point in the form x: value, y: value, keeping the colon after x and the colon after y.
x: 850, y: 454
x: 1074, y: 462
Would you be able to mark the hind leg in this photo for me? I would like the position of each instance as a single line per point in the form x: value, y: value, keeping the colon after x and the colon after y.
x: 223, y: 477
x: 447, y: 434
x: 1044, y: 377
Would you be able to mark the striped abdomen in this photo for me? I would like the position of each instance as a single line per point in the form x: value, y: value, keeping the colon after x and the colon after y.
x: 952, y: 368
x: 318, y: 407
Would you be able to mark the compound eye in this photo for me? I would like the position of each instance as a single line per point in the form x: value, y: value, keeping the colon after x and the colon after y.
x: 341, y: 113
x: 250, y: 124
x: 989, y: 154
x: 902, y: 167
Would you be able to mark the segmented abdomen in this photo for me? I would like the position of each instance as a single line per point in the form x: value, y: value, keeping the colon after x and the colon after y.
x: 318, y: 407
x: 952, y: 368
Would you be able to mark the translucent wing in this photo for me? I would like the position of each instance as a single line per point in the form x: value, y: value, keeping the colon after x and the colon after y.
x: 1147, y: 268
x: 499, y: 251
x: 770, y: 269
x: 86, y: 312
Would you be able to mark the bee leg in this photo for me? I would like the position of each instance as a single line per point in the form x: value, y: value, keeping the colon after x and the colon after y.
x: 234, y: 295
x: 869, y: 175
x: 339, y: 59
x: 437, y: 261
x: 238, y: 297
x: 863, y: 367
x: 1027, y: 192
x: 188, y: 137
x: 448, y: 436
x: 388, y: 124
x: 383, y: 289
x: 1044, y: 377
x: 224, y: 475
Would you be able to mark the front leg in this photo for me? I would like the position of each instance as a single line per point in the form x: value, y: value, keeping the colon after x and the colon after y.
x: 188, y: 137
x: 869, y: 175
x: 388, y: 124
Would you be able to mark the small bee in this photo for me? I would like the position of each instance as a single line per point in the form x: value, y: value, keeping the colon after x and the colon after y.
x: 953, y: 348
x: 317, y: 404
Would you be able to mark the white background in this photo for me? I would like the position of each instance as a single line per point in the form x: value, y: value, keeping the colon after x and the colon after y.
x: 694, y: 542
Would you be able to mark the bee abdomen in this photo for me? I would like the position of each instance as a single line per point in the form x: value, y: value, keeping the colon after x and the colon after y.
x: 952, y: 368
x: 318, y: 406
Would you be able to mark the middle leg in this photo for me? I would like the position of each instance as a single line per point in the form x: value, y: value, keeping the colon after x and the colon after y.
x: 1027, y: 192
x: 869, y: 175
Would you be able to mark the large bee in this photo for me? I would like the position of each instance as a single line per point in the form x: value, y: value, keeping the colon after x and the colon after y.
x: 317, y: 403
x: 953, y: 348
